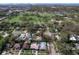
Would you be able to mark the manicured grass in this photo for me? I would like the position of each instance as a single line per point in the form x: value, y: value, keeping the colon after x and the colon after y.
x: 27, y: 52
x: 13, y: 19
x: 34, y: 18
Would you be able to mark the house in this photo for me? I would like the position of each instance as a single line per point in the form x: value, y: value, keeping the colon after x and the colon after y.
x: 8, y: 46
x: 38, y: 38
x: 17, y: 46
x: 5, y: 34
x: 67, y: 18
x: 77, y: 37
x: 4, y: 53
x: 16, y: 33
x: 77, y: 46
x: 26, y: 45
x: 34, y: 46
x: 38, y: 32
x: 24, y: 36
x: 72, y: 38
x: 58, y: 37
x: 42, y: 45
x: 47, y: 35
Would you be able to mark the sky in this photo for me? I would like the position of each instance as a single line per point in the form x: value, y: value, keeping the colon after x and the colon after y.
x: 39, y: 1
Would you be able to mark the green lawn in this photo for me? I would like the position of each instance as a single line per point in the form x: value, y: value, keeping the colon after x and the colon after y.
x: 42, y: 53
x: 27, y: 52
x: 34, y: 18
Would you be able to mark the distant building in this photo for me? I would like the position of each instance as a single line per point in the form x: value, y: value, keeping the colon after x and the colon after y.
x: 5, y: 34
x: 74, y: 37
x: 57, y: 37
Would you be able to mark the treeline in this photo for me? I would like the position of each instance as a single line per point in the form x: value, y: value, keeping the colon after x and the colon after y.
x: 52, y: 9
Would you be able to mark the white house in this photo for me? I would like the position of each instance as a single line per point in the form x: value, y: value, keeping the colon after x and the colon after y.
x: 5, y: 34
x: 72, y: 37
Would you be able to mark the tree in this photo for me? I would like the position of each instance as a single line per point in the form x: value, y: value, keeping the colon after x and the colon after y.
x: 2, y: 42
